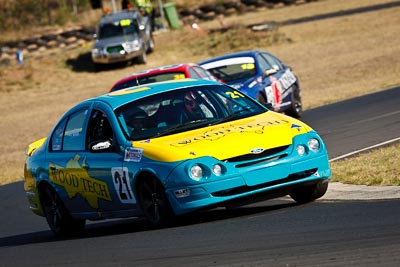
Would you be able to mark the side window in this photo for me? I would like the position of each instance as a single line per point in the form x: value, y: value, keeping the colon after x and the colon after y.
x: 205, y: 74
x: 193, y: 74
x: 274, y: 62
x: 264, y: 64
x: 99, y: 129
x: 74, y: 138
x: 57, y: 137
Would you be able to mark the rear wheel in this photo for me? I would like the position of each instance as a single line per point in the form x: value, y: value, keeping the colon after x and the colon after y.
x: 57, y: 215
x: 263, y: 100
x: 309, y: 193
x: 154, y: 201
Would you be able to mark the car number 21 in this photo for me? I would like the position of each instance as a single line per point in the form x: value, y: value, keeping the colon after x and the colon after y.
x: 122, y: 185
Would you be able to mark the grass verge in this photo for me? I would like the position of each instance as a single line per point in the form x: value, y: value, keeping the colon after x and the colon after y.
x: 376, y: 167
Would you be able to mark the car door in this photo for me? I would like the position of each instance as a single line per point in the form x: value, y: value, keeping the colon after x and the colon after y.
x: 67, y: 162
x: 89, y: 178
x: 105, y: 165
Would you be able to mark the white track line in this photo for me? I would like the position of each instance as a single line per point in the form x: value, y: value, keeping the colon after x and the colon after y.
x: 364, y: 149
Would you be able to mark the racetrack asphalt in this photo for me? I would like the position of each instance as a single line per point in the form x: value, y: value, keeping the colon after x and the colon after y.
x: 357, y: 125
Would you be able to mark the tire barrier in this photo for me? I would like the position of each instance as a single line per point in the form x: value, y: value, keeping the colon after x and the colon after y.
x: 230, y: 7
x: 75, y: 37
x: 67, y: 39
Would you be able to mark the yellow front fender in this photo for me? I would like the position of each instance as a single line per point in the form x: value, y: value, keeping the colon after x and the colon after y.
x: 33, y: 146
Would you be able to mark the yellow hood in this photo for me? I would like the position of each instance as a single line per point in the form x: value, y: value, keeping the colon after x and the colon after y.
x: 226, y: 140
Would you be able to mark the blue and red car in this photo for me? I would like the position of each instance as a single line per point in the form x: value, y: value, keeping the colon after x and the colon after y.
x: 160, y: 150
x: 260, y: 75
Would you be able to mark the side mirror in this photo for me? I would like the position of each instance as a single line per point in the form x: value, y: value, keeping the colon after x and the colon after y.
x: 101, y: 146
x: 271, y: 71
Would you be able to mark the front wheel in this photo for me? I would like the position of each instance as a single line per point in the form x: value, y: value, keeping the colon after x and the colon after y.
x: 150, y: 45
x: 309, y: 193
x: 57, y: 215
x: 154, y: 201
x: 296, y: 106
x: 142, y: 59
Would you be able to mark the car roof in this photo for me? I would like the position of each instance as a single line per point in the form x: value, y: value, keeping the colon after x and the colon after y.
x: 118, y: 98
x: 116, y: 17
x: 163, y: 69
x: 231, y: 55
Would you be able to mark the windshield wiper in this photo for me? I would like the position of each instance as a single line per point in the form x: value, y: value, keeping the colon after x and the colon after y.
x: 178, y: 127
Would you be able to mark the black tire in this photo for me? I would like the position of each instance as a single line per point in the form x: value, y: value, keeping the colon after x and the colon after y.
x: 57, y: 215
x: 309, y: 193
x: 142, y: 59
x: 154, y: 201
x: 296, y: 106
x: 263, y: 100
x: 150, y: 45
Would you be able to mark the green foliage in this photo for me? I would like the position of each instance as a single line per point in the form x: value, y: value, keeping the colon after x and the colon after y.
x: 376, y: 167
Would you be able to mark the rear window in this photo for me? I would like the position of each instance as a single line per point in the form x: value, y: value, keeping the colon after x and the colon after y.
x: 232, y: 69
x: 150, y: 79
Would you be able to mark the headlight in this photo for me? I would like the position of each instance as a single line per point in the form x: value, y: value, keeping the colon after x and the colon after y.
x: 313, y: 144
x: 131, y: 46
x: 301, y: 150
x: 95, y: 51
x: 217, y: 169
x: 196, y: 172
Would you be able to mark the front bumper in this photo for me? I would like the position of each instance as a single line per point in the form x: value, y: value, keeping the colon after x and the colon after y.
x: 267, y: 180
x: 104, y: 57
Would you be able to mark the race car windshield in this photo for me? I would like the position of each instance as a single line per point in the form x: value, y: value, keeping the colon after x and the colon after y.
x: 160, y: 77
x: 117, y: 29
x: 232, y: 69
x: 184, y: 110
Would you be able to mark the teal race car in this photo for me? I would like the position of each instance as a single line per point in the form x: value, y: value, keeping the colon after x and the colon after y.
x: 165, y: 149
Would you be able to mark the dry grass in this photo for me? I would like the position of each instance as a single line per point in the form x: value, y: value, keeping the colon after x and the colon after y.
x: 376, y: 167
x: 335, y: 59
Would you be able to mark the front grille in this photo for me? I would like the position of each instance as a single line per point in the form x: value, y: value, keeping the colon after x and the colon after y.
x: 265, y: 156
x: 114, y: 49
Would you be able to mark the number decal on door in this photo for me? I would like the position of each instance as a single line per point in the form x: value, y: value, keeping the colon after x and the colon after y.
x: 122, y: 185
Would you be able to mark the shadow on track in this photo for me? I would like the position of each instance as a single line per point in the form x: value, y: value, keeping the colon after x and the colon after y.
x: 84, y: 63
x: 133, y: 225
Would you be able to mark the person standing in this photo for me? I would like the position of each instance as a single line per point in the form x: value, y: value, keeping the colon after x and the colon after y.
x: 145, y: 7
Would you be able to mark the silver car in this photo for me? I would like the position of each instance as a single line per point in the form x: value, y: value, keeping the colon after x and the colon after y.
x: 123, y: 36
